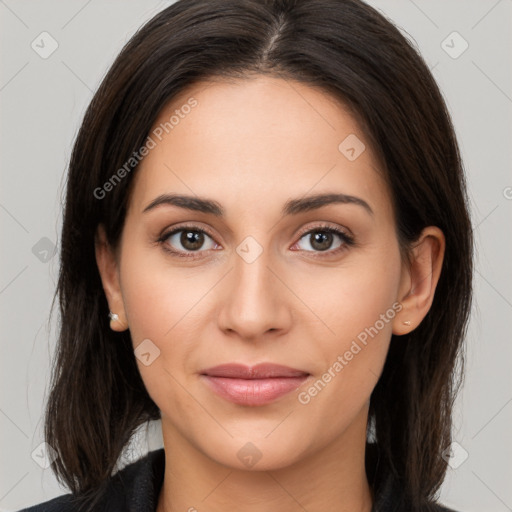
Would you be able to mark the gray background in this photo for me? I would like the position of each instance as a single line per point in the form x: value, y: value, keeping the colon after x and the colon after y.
x: 42, y: 102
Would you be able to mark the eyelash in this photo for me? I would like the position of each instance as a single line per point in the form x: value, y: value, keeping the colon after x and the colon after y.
x: 348, y: 241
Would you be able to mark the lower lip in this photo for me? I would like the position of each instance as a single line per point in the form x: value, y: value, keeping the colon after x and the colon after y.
x: 253, y: 391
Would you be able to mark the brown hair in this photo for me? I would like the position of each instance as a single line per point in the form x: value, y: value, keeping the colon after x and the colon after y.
x: 350, y: 51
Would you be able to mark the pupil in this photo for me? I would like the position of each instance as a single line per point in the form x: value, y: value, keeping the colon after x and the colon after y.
x: 321, y: 241
x: 192, y: 240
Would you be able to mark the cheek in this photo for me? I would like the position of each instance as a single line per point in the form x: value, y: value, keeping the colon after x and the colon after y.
x: 159, y: 304
x: 152, y: 305
x: 354, y: 295
x: 357, y: 304
x: 167, y: 305
x: 157, y: 297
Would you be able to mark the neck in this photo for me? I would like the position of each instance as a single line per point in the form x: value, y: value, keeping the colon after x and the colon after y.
x: 332, y: 479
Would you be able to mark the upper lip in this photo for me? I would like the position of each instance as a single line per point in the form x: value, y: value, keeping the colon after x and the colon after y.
x: 259, y: 371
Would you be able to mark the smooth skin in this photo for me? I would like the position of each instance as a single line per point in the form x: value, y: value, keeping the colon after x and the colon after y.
x: 251, y: 145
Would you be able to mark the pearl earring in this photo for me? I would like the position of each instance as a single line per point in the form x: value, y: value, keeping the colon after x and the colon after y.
x: 407, y: 322
x: 113, y: 316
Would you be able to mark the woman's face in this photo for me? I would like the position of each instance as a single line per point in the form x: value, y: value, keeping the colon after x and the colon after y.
x: 258, y: 279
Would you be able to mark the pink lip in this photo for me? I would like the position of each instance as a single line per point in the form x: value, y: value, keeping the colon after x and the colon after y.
x: 257, y: 385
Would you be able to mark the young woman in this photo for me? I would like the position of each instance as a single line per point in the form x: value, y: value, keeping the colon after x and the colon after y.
x: 266, y: 245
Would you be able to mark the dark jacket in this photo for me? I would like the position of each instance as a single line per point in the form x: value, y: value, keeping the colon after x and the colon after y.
x: 137, y: 486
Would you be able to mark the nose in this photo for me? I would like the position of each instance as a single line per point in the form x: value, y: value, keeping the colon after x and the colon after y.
x: 254, y: 300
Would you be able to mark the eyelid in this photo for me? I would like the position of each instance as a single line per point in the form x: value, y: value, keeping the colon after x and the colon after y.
x: 180, y: 227
x: 323, y: 225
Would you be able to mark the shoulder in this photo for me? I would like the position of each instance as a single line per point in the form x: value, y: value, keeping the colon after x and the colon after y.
x: 388, y: 492
x: 138, y: 483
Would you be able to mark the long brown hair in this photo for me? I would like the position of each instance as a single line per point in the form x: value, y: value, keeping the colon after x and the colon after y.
x: 351, y: 52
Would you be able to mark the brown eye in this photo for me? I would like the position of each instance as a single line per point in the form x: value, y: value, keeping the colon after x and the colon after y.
x: 324, y: 239
x: 185, y: 240
x: 321, y: 241
x: 191, y: 240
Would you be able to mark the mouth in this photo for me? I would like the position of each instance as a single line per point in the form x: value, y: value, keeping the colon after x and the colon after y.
x: 253, y: 385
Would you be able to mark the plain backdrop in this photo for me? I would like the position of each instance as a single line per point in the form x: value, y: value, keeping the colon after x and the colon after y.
x: 43, y: 98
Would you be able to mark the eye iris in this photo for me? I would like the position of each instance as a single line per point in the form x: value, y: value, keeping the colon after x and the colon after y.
x: 321, y: 240
x: 192, y: 240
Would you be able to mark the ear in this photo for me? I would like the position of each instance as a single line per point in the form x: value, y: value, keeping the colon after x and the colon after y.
x: 109, y: 273
x: 419, y: 280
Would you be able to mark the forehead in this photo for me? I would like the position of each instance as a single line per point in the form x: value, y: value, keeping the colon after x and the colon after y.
x: 261, y: 140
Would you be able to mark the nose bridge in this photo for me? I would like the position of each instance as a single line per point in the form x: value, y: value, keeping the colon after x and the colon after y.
x: 251, y: 277
x: 251, y: 273
x: 253, y: 301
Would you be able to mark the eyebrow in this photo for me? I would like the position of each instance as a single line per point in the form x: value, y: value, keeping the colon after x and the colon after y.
x: 291, y: 207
